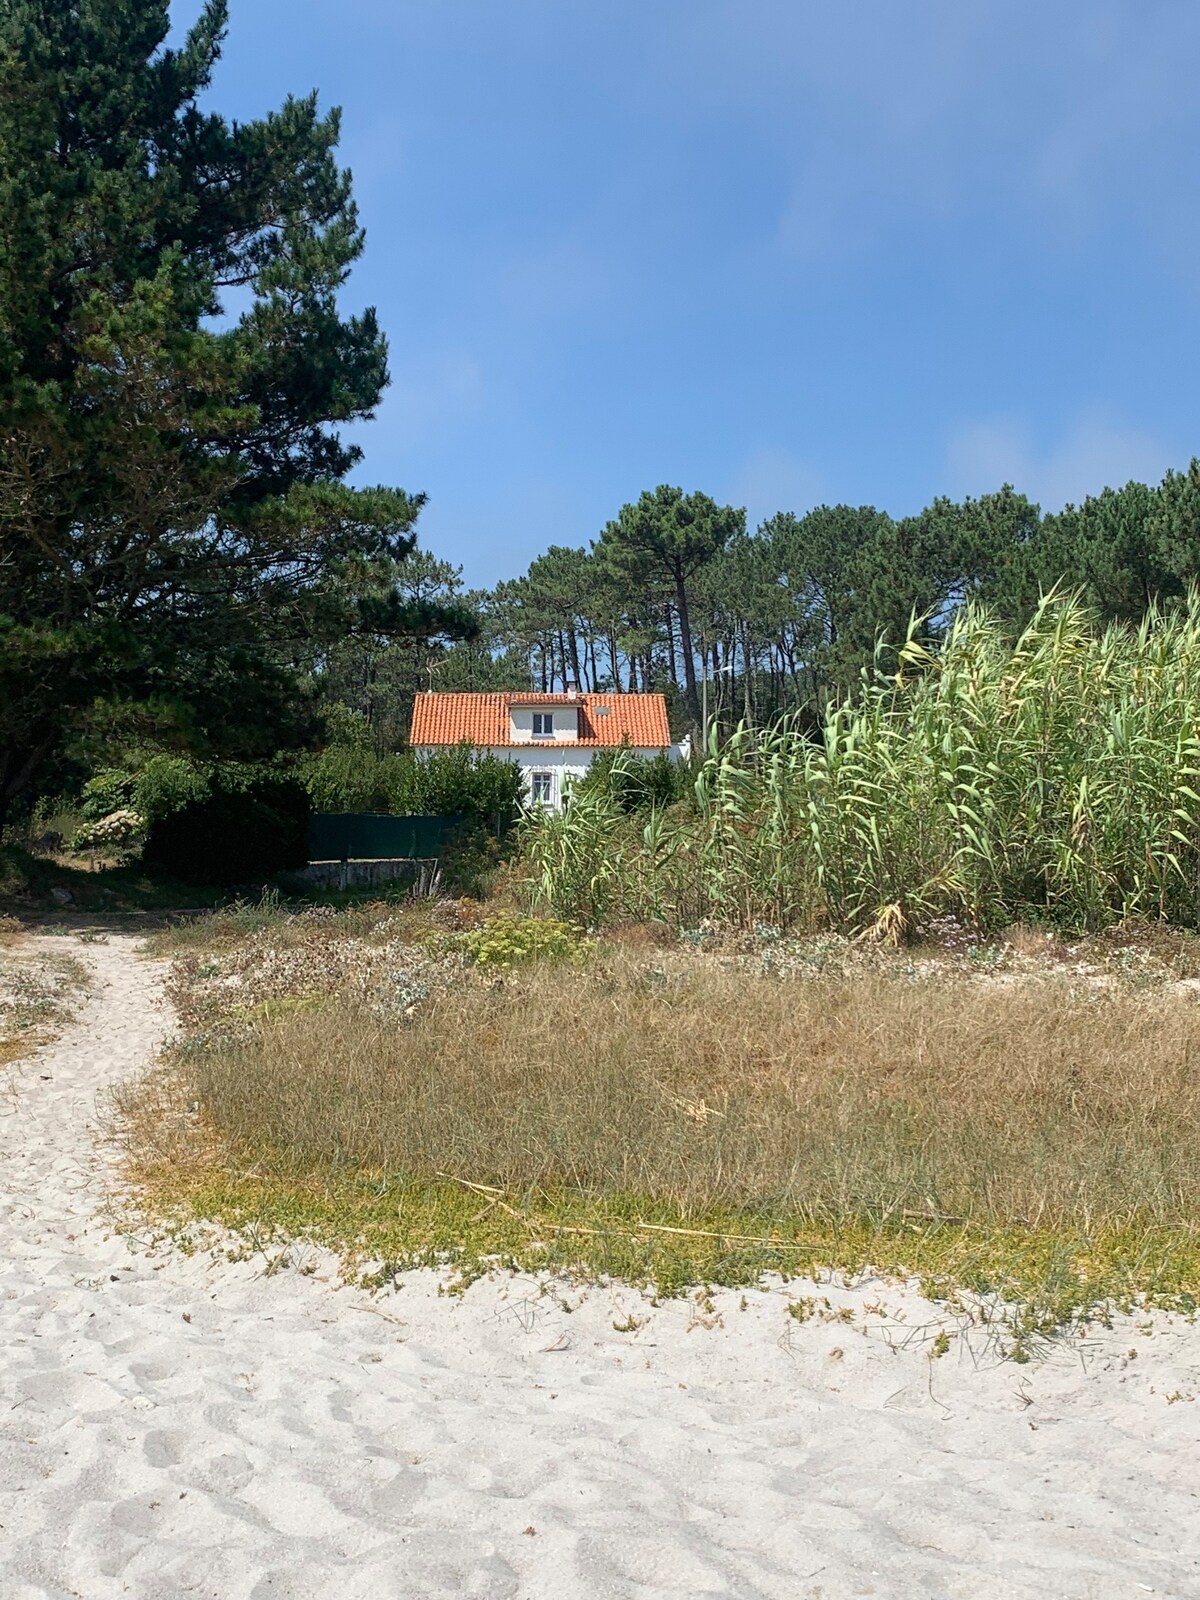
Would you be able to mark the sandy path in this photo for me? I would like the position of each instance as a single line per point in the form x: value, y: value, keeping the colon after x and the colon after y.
x: 299, y: 1442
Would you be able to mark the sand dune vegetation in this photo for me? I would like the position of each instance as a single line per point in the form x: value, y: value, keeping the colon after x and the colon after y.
x: 1052, y: 776
x: 1017, y: 1117
x: 37, y: 992
x: 913, y: 987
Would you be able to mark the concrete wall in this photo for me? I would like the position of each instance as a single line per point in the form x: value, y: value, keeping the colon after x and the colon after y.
x: 366, y: 874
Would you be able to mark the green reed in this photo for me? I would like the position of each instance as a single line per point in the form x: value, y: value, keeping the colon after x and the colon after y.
x: 1054, y: 775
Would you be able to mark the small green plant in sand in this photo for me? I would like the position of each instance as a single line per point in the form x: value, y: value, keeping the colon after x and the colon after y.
x: 36, y: 992
x: 510, y: 940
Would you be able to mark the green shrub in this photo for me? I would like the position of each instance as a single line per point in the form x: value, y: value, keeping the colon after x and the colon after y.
x: 509, y: 940
x: 347, y: 775
x: 636, y: 783
x: 471, y: 859
x: 162, y: 785
x: 347, y: 778
x: 351, y: 777
x: 461, y: 782
x: 168, y: 783
x: 111, y: 789
x: 248, y: 826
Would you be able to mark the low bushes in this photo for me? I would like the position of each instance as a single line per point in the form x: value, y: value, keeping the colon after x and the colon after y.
x: 233, y: 823
x: 351, y: 776
x: 509, y: 940
x: 161, y: 785
x: 247, y: 826
x: 636, y: 784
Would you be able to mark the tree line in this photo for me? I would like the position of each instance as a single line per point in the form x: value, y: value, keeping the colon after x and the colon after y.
x: 677, y: 594
x: 185, y: 570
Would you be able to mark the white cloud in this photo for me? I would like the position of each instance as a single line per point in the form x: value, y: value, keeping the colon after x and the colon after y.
x: 1064, y: 120
x: 1095, y: 452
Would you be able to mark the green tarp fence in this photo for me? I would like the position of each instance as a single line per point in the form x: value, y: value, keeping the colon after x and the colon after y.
x: 370, y: 837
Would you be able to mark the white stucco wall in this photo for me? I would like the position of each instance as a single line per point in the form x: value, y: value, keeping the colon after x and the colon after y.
x: 562, y: 761
x: 566, y: 724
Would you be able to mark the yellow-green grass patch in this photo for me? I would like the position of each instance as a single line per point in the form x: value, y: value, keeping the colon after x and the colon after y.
x: 686, y: 1121
x: 1034, y: 1281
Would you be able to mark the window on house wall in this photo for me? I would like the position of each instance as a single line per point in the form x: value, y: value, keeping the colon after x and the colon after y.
x: 543, y: 724
x: 541, y: 788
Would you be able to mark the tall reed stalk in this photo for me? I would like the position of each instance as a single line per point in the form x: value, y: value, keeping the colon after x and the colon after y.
x: 1056, y: 775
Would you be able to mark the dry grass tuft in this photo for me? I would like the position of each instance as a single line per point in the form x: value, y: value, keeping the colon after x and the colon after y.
x: 700, y: 1089
x: 1018, y: 1118
x: 36, y: 990
x: 1035, y: 944
x: 291, y: 962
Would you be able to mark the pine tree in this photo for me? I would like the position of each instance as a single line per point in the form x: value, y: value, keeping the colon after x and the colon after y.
x: 668, y: 536
x: 174, y: 371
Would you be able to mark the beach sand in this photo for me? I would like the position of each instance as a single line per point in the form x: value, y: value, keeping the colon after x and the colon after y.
x: 176, y: 1426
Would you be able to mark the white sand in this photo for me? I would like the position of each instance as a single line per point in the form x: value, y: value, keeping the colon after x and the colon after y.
x: 173, y: 1427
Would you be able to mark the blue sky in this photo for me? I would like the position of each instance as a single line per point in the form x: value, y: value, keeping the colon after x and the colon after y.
x: 785, y: 251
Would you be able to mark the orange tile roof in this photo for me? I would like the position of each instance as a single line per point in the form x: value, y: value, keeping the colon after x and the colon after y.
x: 485, y: 719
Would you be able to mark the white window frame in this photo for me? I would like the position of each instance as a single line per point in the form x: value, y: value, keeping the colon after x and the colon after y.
x: 543, y: 724
x: 541, y: 779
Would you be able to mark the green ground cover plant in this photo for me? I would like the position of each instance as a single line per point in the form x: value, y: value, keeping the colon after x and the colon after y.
x: 510, y: 940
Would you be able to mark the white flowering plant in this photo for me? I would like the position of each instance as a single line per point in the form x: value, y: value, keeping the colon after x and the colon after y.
x: 112, y: 832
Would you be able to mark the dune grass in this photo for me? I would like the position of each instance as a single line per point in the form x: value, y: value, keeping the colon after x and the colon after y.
x: 678, y: 1121
x: 36, y: 992
x: 1053, y: 777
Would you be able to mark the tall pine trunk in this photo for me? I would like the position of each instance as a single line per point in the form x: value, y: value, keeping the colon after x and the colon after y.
x: 672, y: 662
x: 747, y: 678
x: 614, y: 656
x: 685, y: 637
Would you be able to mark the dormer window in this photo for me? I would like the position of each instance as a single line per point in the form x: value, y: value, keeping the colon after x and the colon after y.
x: 543, y: 724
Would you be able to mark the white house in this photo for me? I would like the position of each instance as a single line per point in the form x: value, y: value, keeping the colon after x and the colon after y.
x: 553, y: 738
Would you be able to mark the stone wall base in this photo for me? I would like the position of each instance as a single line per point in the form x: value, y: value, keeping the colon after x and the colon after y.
x: 423, y: 875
